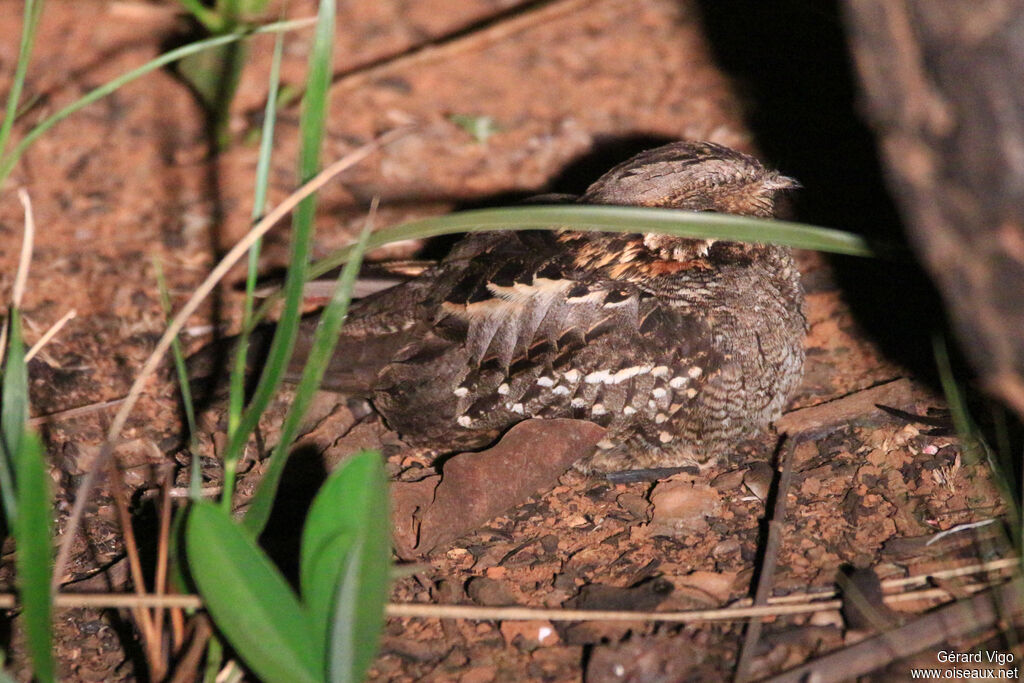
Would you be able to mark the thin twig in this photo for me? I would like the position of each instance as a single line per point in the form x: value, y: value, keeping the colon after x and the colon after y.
x: 163, y: 548
x: 768, y: 564
x: 188, y: 665
x: 26, y: 249
x: 430, y: 611
x: 948, y: 622
x: 75, y: 412
x: 143, y: 617
x: 889, y: 584
x: 48, y: 335
x: 21, y: 277
x: 222, y: 268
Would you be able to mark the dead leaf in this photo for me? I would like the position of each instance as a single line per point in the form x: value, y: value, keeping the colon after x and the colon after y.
x: 682, y: 504
x: 476, y: 487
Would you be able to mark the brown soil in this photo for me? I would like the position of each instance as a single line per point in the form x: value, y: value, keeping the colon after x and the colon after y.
x: 129, y: 179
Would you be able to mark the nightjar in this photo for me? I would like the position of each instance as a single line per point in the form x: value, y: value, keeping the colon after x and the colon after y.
x: 679, y: 347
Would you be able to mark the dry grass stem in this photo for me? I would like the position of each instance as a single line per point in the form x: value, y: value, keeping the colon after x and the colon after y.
x: 49, y: 334
x: 428, y: 611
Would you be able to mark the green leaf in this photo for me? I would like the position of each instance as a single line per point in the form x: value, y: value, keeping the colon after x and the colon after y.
x: 34, y: 562
x: 346, y: 553
x: 249, y: 600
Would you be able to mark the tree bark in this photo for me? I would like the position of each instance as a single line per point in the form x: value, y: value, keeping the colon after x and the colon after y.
x: 944, y: 81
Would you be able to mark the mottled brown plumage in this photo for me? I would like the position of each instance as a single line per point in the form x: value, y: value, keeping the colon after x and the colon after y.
x: 679, y: 346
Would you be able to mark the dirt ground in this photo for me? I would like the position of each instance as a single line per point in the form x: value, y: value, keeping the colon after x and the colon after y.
x: 571, y: 90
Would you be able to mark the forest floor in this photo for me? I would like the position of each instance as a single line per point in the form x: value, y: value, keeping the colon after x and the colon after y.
x: 571, y: 89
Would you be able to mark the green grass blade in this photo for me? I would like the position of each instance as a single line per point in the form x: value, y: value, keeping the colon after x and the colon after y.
x: 8, y: 161
x: 312, y: 129
x: 13, y: 415
x: 236, y: 394
x: 30, y: 22
x: 324, y: 341
x: 31, y: 510
x: 975, y: 448
x: 211, y: 21
x: 34, y: 562
x: 249, y: 600
x: 629, y: 219
x: 346, y: 555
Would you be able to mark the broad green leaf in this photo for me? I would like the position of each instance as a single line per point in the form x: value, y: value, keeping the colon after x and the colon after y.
x: 346, y: 554
x: 249, y: 600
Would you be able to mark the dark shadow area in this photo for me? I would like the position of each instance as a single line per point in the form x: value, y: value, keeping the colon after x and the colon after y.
x: 303, y: 476
x: 790, y: 65
x: 190, y: 32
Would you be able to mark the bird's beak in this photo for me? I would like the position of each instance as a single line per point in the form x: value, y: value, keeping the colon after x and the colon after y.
x: 781, y: 182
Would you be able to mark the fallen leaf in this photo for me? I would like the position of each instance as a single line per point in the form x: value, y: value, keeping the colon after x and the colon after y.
x: 475, y: 487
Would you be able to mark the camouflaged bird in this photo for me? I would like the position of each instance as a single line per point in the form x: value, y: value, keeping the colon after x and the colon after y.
x: 680, y: 347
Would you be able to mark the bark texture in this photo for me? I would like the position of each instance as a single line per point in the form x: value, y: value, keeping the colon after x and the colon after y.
x: 944, y: 81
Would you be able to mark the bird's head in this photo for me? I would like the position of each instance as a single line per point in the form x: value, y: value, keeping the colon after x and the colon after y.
x: 696, y: 176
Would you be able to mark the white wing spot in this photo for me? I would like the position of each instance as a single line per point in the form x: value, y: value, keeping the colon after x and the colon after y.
x: 629, y: 410
x: 598, y: 409
x: 691, y: 392
x: 658, y: 393
x: 503, y: 389
x: 518, y: 408
x: 461, y: 391
x: 626, y: 373
x: 660, y: 371
x: 577, y: 402
x: 664, y: 437
x: 464, y: 421
x: 605, y: 444
x: 694, y: 372
x: 608, y: 377
x: 572, y: 376
x: 560, y: 391
x: 545, y: 381
x: 660, y: 417
x: 677, y: 382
